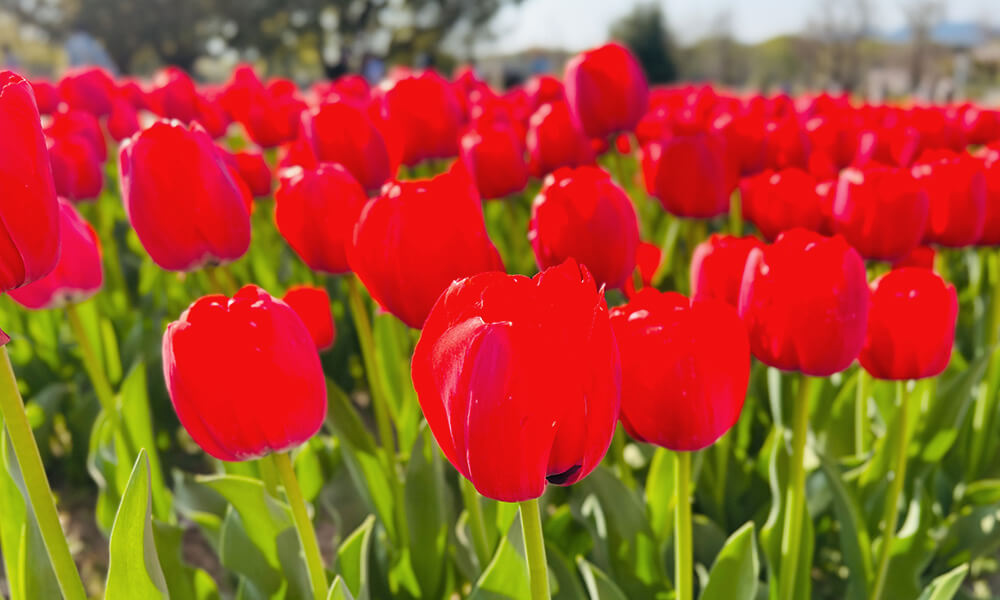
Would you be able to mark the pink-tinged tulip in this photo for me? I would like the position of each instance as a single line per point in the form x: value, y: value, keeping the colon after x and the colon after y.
x: 804, y: 301
x: 77, y: 173
x: 881, y: 211
x: 315, y: 211
x: 529, y: 366
x: 782, y: 200
x: 415, y: 238
x: 77, y: 276
x: 582, y: 214
x: 29, y: 213
x: 181, y: 197
x: 555, y: 140
x: 494, y: 157
x: 422, y: 117
x: 313, y: 306
x: 956, y: 190
x: 244, y: 376
x: 717, y: 266
x: 685, y: 368
x: 606, y: 90
x: 340, y: 132
x: 911, y: 325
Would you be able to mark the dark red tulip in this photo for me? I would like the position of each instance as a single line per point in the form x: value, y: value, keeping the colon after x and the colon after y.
x: 77, y: 276
x: 315, y: 211
x: 529, y: 366
x: 88, y: 89
x: 77, y: 173
x: 717, y: 267
x: 181, y: 198
x: 339, y: 131
x: 123, y: 121
x: 779, y: 201
x: 687, y: 173
x: 83, y: 124
x: 804, y: 301
x: 422, y: 117
x: 881, y: 211
x: 955, y: 185
x: 254, y: 172
x: 494, y: 158
x: 582, y: 214
x: 555, y: 140
x: 313, y: 306
x: 29, y: 213
x: 911, y: 325
x: 243, y: 375
x: 46, y: 96
x: 417, y: 237
x: 685, y: 368
x: 606, y: 90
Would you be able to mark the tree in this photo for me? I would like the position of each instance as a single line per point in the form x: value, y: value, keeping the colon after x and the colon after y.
x: 921, y: 17
x: 841, y: 28
x: 645, y: 32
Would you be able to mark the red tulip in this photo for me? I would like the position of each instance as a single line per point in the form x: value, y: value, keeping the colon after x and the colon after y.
x: 991, y: 217
x: 688, y: 174
x: 685, y: 368
x: 83, y: 124
x: 243, y: 375
x: 313, y: 306
x: 77, y: 276
x: 123, y: 121
x: 181, y: 198
x: 542, y: 89
x: 422, y: 117
x: 46, y: 96
x: 520, y: 379
x: 606, y: 90
x: 494, y: 157
x: 269, y: 116
x: 340, y: 132
x: 804, y: 300
x: 88, y: 89
x: 779, y: 201
x: 956, y: 189
x: 29, y: 213
x: 785, y: 144
x: 212, y: 117
x: 555, y: 140
x: 881, y: 211
x: 417, y: 237
x: 582, y: 214
x: 315, y: 211
x: 77, y: 173
x: 254, y: 172
x: 717, y: 267
x: 174, y: 95
x: 647, y: 260
x: 921, y: 257
x: 911, y: 325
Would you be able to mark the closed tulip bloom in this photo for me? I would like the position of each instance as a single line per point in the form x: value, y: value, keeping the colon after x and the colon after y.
x: 520, y: 379
x: 46, y: 96
x: 921, y: 257
x: 315, y: 211
x: 554, y: 140
x: 339, y: 131
x: 544, y: 88
x: 181, y: 198
x: 415, y: 238
x: 123, y: 121
x: 174, y: 95
x: 254, y: 171
x: 77, y: 173
x: 717, y: 267
x: 685, y: 368
x: 582, y: 214
x: 647, y: 259
x: 243, y: 375
x: 83, y: 124
x: 804, y: 301
x: 687, y: 173
x: 955, y: 185
x: 991, y: 215
x: 911, y: 325
x: 313, y: 306
x: 881, y: 211
x: 29, y: 213
x: 606, y: 90
x: 77, y: 276
x: 422, y: 117
x: 88, y: 89
x: 494, y: 158
x: 777, y: 201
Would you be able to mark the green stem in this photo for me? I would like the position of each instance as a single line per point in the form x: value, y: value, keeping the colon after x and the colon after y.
x: 477, y: 524
x: 534, y: 547
x: 861, y: 412
x: 683, y: 563
x: 795, y: 500
x: 895, y: 489
x: 303, y: 524
x: 269, y: 474
x: 722, y: 451
x: 981, y: 426
x: 36, y: 483
x: 736, y: 213
x: 668, y: 248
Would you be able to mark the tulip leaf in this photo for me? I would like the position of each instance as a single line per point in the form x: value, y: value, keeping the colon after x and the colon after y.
x: 506, y: 577
x: 660, y: 497
x: 734, y: 574
x: 136, y: 418
x: 338, y: 590
x: 352, y: 559
x: 182, y: 580
x: 427, y: 514
x: 854, y: 540
x: 599, y: 587
x: 392, y: 357
x: 944, y: 587
x: 912, y: 548
x: 134, y: 566
x: 564, y: 580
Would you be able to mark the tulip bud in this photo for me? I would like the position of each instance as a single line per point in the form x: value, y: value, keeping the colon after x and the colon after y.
x: 77, y: 276
x: 123, y: 121
x: 911, y: 325
x: 717, y: 267
x: 606, y: 90
x: 181, y: 199
x: 529, y: 366
x: 685, y: 368
x: 582, y: 214
x: 88, y: 89
x: 46, y: 96
x: 315, y: 211
x: 804, y: 301
x: 555, y: 140
x: 881, y: 211
x: 83, y: 124
x: 313, y: 306
x: 494, y: 158
x: 417, y: 237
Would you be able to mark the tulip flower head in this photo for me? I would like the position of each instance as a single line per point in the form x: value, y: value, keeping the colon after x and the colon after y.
x: 313, y: 306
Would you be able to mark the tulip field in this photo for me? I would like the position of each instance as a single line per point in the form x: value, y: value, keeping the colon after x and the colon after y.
x: 583, y: 338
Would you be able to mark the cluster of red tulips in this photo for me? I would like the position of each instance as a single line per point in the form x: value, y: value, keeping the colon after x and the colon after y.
x: 522, y: 380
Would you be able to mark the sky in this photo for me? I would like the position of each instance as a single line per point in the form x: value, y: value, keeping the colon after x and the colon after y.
x: 579, y: 24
